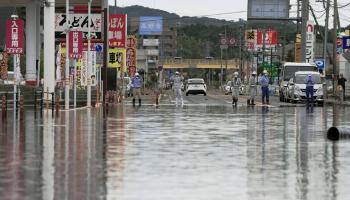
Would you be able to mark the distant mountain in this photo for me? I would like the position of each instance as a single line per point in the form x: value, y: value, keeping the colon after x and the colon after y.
x: 136, y: 11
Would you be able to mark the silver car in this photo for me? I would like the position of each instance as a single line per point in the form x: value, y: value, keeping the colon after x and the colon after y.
x: 297, y: 87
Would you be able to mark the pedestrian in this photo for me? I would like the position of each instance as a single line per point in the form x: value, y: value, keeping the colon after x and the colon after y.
x: 264, y: 82
x: 235, y: 85
x: 341, y: 82
x: 136, y: 83
x: 309, y: 81
x: 177, y: 81
x: 252, y: 88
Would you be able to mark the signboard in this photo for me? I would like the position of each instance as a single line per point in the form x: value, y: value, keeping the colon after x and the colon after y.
x: 117, y: 58
x: 117, y: 30
x: 320, y: 63
x: 84, y: 69
x: 78, y: 21
x: 250, y: 38
x: 346, y: 42
x: 131, y: 57
x: 3, y: 65
x: 268, y: 9
x: 75, y: 44
x: 14, y: 36
x: 131, y: 42
x: 267, y: 38
x: 310, y: 42
x: 152, y: 52
x: 151, y: 25
x: 150, y: 42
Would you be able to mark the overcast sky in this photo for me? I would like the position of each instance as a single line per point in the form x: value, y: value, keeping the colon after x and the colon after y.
x: 233, y: 9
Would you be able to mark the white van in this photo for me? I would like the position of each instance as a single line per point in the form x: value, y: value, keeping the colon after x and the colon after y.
x: 297, y: 87
x: 288, y: 71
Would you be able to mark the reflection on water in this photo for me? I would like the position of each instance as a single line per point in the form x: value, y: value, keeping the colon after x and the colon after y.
x: 194, y: 152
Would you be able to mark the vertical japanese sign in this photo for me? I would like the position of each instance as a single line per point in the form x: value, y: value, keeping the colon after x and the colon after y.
x: 117, y: 30
x: 75, y: 44
x: 117, y: 59
x: 310, y: 42
x: 14, y: 36
x: 131, y: 55
x: 250, y: 39
x: 3, y: 65
x: 83, y: 69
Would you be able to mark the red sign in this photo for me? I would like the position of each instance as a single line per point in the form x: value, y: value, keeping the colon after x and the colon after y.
x: 131, y: 42
x: 270, y: 37
x: 130, y: 57
x: 117, y: 30
x: 14, y: 36
x: 132, y: 71
x: 75, y: 44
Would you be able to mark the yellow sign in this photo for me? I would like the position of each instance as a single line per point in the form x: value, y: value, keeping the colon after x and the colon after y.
x: 117, y: 59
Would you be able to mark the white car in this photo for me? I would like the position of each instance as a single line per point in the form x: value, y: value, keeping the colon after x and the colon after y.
x: 196, y: 86
x: 296, y: 91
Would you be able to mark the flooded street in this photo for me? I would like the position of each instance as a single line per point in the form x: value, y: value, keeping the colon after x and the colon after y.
x: 198, y: 152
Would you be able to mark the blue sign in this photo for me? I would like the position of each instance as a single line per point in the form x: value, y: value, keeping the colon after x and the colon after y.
x: 346, y: 42
x: 320, y: 63
x: 151, y: 25
x: 99, y: 48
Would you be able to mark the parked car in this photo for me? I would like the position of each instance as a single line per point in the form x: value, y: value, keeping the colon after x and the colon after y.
x: 297, y: 87
x: 196, y: 86
x: 11, y: 77
x: 227, y: 88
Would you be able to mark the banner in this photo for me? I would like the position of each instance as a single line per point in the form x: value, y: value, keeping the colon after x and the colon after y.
x: 83, y: 69
x: 131, y: 55
x: 267, y: 37
x: 117, y: 30
x: 75, y: 44
x: 117, y: 59
x: 310, y: 42
x: 3, y: 65
x: 250, y: 39
x: 14, y: 36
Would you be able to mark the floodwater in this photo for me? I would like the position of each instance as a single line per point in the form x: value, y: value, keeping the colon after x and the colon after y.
x: 192, y: 153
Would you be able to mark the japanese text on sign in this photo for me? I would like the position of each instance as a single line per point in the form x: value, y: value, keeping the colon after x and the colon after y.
x: 76, y: 44
x: 117, y: 30
x: 14, y: 36
x: 79, y: 21
x: 117, y: 58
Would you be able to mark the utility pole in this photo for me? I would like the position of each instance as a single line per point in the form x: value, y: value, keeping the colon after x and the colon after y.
x: 335, y: 68
x: 304, y: 18
x: 324, y: 54
x: 105, y: 46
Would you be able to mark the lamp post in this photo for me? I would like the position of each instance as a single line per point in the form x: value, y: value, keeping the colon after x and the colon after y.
x: 66, y: 96
x: 88, y: 103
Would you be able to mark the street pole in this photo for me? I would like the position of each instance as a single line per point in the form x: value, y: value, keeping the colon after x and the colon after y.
x: 221, y: 67
x: 305, y: 18
x: 240, y: 50
x: 88, y: 103
x: 325, y: 41
x: 335, y: 44
x: 105, y: 47
x: 75, y: 84
x: 66, y: 96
